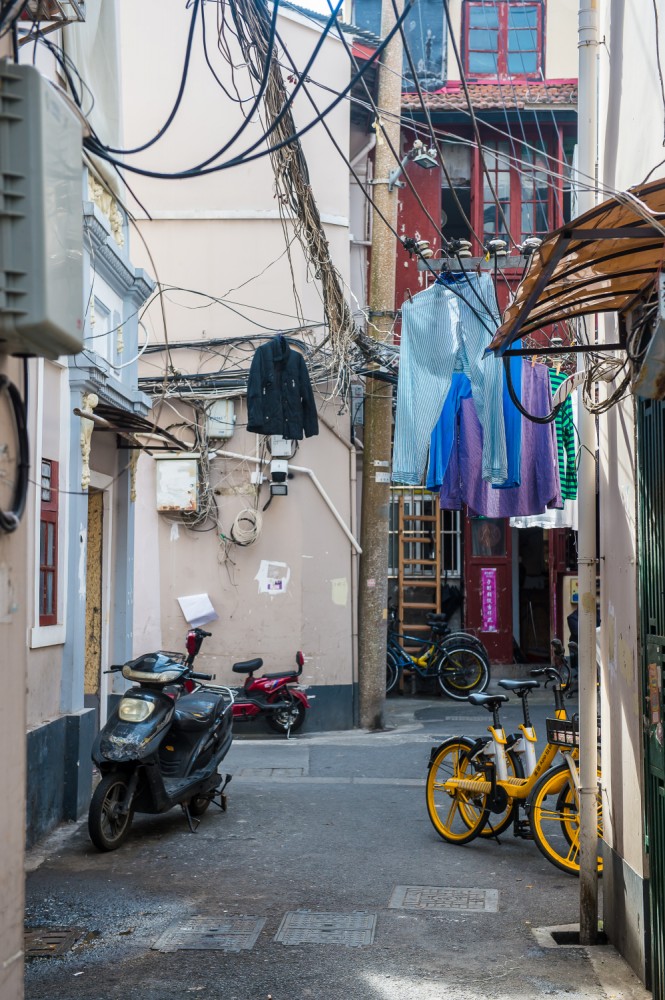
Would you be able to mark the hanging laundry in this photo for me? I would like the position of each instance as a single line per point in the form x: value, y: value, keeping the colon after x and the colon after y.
x: 443, y: 435
x: 539, y: 487
x: 565, y: 518
x: 566, y: 439
x: 446, y: 328
x: 279, y: 393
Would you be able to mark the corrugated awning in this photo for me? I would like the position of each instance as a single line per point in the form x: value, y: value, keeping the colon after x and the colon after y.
x: 140, y: 431
x: 603, y: 261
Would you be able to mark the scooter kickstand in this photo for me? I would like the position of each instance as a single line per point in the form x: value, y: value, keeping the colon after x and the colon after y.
x: 220, y: 793
x: 194, y: 822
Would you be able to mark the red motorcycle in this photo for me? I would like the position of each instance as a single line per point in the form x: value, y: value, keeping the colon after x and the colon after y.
x: 278, y: 698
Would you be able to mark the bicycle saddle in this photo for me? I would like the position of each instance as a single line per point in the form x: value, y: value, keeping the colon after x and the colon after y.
x: 520, y: 687
x: 489, y: 701
x: 432, y: 617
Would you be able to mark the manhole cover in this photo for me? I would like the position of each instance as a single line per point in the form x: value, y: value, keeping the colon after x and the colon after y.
x: 49, y: 942
x: 436, y: 897
x: 211, y: 934
x: 303, y: 927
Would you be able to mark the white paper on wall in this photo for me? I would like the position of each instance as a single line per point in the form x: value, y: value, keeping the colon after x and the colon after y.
x: 197, y: 609
x: 273, y: 577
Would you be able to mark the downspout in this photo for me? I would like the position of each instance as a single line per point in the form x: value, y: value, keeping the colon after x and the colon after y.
x: 353, y: 506
x: 587, y: 117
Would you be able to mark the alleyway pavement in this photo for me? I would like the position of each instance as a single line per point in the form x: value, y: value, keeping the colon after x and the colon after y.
x: 323, y: 880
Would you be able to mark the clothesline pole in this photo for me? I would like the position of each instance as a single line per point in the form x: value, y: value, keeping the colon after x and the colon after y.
x: 373, y: 569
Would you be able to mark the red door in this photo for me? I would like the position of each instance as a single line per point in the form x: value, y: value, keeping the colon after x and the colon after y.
x: 488, y: 580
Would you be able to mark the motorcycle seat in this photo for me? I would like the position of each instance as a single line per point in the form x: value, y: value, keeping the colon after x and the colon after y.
x: 289, y: 675
x: 197, y: 710
x: 247, y: 666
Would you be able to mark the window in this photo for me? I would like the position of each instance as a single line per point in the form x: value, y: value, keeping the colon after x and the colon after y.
x: 48, y: 544
x: 425, y: 30
x: 503, y: 38
x: 520, y: 178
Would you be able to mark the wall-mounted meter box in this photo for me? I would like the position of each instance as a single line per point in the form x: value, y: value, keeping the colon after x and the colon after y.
x: 221, y: 420
x: 177, y: 483
x: 41, y: 217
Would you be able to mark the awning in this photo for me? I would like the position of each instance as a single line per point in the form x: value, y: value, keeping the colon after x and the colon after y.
x: 603, y: 261
x: 141, y: 432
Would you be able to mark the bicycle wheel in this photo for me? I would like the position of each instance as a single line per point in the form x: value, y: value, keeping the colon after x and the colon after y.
x: 499, y: 822
x: 553, y: 809
x: 457, y: 814
x: 465, y: 639
x: 461, y: 671
x: 392, y: 671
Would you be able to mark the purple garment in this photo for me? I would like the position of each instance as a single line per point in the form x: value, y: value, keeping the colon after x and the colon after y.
x: 540, y: 487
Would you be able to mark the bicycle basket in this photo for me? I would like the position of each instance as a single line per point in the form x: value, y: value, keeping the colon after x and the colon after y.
x: 563, y: 732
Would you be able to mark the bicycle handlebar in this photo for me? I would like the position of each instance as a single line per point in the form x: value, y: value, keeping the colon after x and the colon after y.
x: 200, y: 677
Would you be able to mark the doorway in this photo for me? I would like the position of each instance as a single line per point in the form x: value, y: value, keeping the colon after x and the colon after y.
x: 93, y: 601
x: 534, y: 594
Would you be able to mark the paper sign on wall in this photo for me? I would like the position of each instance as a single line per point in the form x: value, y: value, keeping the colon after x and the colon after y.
x: 273, y: 577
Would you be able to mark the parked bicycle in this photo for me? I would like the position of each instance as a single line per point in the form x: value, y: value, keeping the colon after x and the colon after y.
x: 458, y: 667
x: 470, y: 780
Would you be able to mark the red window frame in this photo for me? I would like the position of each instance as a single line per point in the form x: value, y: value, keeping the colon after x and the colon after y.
x: 48, y: 544
x: 478, y: 39
x: 498, y: 153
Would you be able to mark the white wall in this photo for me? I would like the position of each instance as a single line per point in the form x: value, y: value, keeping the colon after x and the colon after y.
x: 222, y: 235
x: 630, y: 145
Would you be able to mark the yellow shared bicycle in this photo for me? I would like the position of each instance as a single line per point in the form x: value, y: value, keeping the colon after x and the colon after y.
x: 476, y: 787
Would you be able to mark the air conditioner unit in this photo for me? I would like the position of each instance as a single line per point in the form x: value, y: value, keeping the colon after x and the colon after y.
x: 41, y: 224
x: 649, y: 378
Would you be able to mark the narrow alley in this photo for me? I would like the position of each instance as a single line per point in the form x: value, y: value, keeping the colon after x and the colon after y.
x: 324, y: 878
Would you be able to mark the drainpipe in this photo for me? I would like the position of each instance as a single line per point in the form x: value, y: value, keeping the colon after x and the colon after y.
x: 587, y: 114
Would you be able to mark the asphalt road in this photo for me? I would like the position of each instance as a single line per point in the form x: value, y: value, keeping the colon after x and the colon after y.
x: 345, y: 888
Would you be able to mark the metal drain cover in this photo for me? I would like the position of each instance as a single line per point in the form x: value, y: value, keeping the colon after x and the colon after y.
x: 211, y: 934
x: 436, y: 897
x: 303, y: 927
x: 49, y: 942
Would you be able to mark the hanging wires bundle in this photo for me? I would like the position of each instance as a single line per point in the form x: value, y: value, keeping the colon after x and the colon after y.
x: 246, y: 526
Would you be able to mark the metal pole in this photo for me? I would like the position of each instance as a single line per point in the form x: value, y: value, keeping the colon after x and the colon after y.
x: 373, y: 570
x: 588, y: 38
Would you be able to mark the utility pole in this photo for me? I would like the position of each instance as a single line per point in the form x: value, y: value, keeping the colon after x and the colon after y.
x: 373, y: 570
x: 587, y: 112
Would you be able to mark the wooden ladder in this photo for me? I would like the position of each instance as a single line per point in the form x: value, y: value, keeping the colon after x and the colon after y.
x: 418, y: 529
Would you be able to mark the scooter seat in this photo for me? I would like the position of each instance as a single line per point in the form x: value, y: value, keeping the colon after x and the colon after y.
x: 247, y: 666
x: 197, y: 710
x: 290, y: 675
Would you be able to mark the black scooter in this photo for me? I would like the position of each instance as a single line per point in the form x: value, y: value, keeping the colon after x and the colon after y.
x: 160, y: 748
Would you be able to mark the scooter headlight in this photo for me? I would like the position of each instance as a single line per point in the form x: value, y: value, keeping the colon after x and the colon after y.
x: 135, y: 709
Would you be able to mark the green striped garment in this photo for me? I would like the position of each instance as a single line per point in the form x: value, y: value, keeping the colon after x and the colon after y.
x: 566, y: 441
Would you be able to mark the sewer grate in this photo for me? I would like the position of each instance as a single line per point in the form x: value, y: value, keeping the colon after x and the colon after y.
x: 211, y: 934
x: 436, y: 897
x: 304, y: 927
x: 50, y: 942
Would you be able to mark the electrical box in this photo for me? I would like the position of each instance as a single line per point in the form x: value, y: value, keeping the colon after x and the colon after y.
x: 281, y: 447
x: 177, y: 483
x: 41, y: 217
x: 221, y: 420
x: 357, y: 404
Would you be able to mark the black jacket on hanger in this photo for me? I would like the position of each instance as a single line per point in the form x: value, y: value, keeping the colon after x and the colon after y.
x: 279, y: 393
